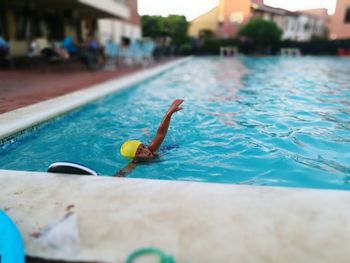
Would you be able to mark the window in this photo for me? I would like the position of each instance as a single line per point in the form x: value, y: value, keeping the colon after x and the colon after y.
x: 221, y: 19
x: 291, y: 25
x: 347, y: 15
x: 307, y: 27
x: 236, y: 17
x: 266, y: 16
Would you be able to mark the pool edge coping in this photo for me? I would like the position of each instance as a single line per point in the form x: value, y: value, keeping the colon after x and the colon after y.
x: 246, y: 222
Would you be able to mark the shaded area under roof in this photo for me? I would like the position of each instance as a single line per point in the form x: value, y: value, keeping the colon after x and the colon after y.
x: 83, y: 8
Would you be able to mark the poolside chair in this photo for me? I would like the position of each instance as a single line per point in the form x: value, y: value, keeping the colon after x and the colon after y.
x: 111, y: 53
x: 291, y: 52
x: 136, y: 53
x: 129, y: 55
x: 124, y: 56
x: 147, y: 53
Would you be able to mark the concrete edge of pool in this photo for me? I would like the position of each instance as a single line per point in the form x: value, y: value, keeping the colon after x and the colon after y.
x: 194, y: 222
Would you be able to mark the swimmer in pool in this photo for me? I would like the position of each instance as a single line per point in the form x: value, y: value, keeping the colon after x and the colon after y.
x: 138, y: 152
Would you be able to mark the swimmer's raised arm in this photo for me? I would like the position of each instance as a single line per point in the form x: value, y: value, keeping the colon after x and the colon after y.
x: 164, y: 126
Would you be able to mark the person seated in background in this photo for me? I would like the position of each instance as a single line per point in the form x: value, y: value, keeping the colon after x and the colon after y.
x: 4, y: 48
x: 138, y: 152
x: 91, y: 53
x: 40, y: 46
x: 92, y: 44
x: 70, y: 46
x: 62, y: 53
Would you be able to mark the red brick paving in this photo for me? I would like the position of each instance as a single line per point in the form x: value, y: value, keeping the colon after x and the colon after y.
x: 19, y: 88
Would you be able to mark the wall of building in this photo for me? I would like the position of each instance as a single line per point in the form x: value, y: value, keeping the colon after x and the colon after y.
x: 258, y: 2
x: 116, y: 29
x: 207, y: 21
x: 338, y: 28
x: 290, y: 27
x: 232, y: 15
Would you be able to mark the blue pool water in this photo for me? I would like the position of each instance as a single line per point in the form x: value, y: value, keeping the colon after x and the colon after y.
x: 260, y: 121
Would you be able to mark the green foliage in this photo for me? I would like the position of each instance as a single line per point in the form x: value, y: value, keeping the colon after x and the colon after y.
x: 206, y: 34
x: 178, y: 27
x: 318, y: 38
x: 172, y: 26
x: 317, y: 47
x: 153, y: 26
x: 260, y: 34
x: 212, y: 46
x: 186, y: 49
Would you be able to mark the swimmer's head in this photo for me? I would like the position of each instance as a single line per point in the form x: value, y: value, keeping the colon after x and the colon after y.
x: 129, y: 148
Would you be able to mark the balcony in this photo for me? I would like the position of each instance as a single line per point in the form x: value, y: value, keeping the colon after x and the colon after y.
x: 83, y: 8
x: 117, y: 8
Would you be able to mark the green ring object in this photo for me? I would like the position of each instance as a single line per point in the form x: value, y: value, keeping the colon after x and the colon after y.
x: 163, y: 258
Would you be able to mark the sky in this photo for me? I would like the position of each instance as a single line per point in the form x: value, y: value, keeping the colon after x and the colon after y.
x: 193, y: 8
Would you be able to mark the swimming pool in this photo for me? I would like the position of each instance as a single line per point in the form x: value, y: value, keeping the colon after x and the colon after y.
x: 259, y: 121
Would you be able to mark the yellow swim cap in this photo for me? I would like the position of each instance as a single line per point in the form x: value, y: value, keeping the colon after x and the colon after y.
x: 129, y: 148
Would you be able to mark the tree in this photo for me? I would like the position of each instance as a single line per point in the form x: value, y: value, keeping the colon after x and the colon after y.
x: 260, y: 34
x: 177, y: 28
x: 152, y: 26
x: 173, y: 26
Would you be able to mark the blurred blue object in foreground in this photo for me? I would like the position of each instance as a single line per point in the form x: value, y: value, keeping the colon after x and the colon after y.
x: 11, y: 244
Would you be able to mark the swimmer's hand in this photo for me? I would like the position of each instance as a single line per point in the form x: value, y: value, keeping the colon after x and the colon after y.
x: 164, y: 125
x: 175, y: 106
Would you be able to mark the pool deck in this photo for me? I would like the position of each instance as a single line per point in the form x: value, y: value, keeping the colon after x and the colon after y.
x: 20, y: 88
x: 25, y: 117
x: 103, y: 219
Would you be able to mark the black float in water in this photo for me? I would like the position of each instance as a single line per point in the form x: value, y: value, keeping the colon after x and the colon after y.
x: 70, y: 168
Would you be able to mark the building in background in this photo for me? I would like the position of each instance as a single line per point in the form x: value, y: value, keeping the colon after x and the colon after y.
x: 223, y: 20
x: 226, y: 19
x: 23, y: 20
x: 339, y: 25
x: 302, y: 25
x: 117, y: 29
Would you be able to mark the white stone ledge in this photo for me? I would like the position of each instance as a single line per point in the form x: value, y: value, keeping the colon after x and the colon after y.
x: 194, y: 222
x: 20, y: 119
